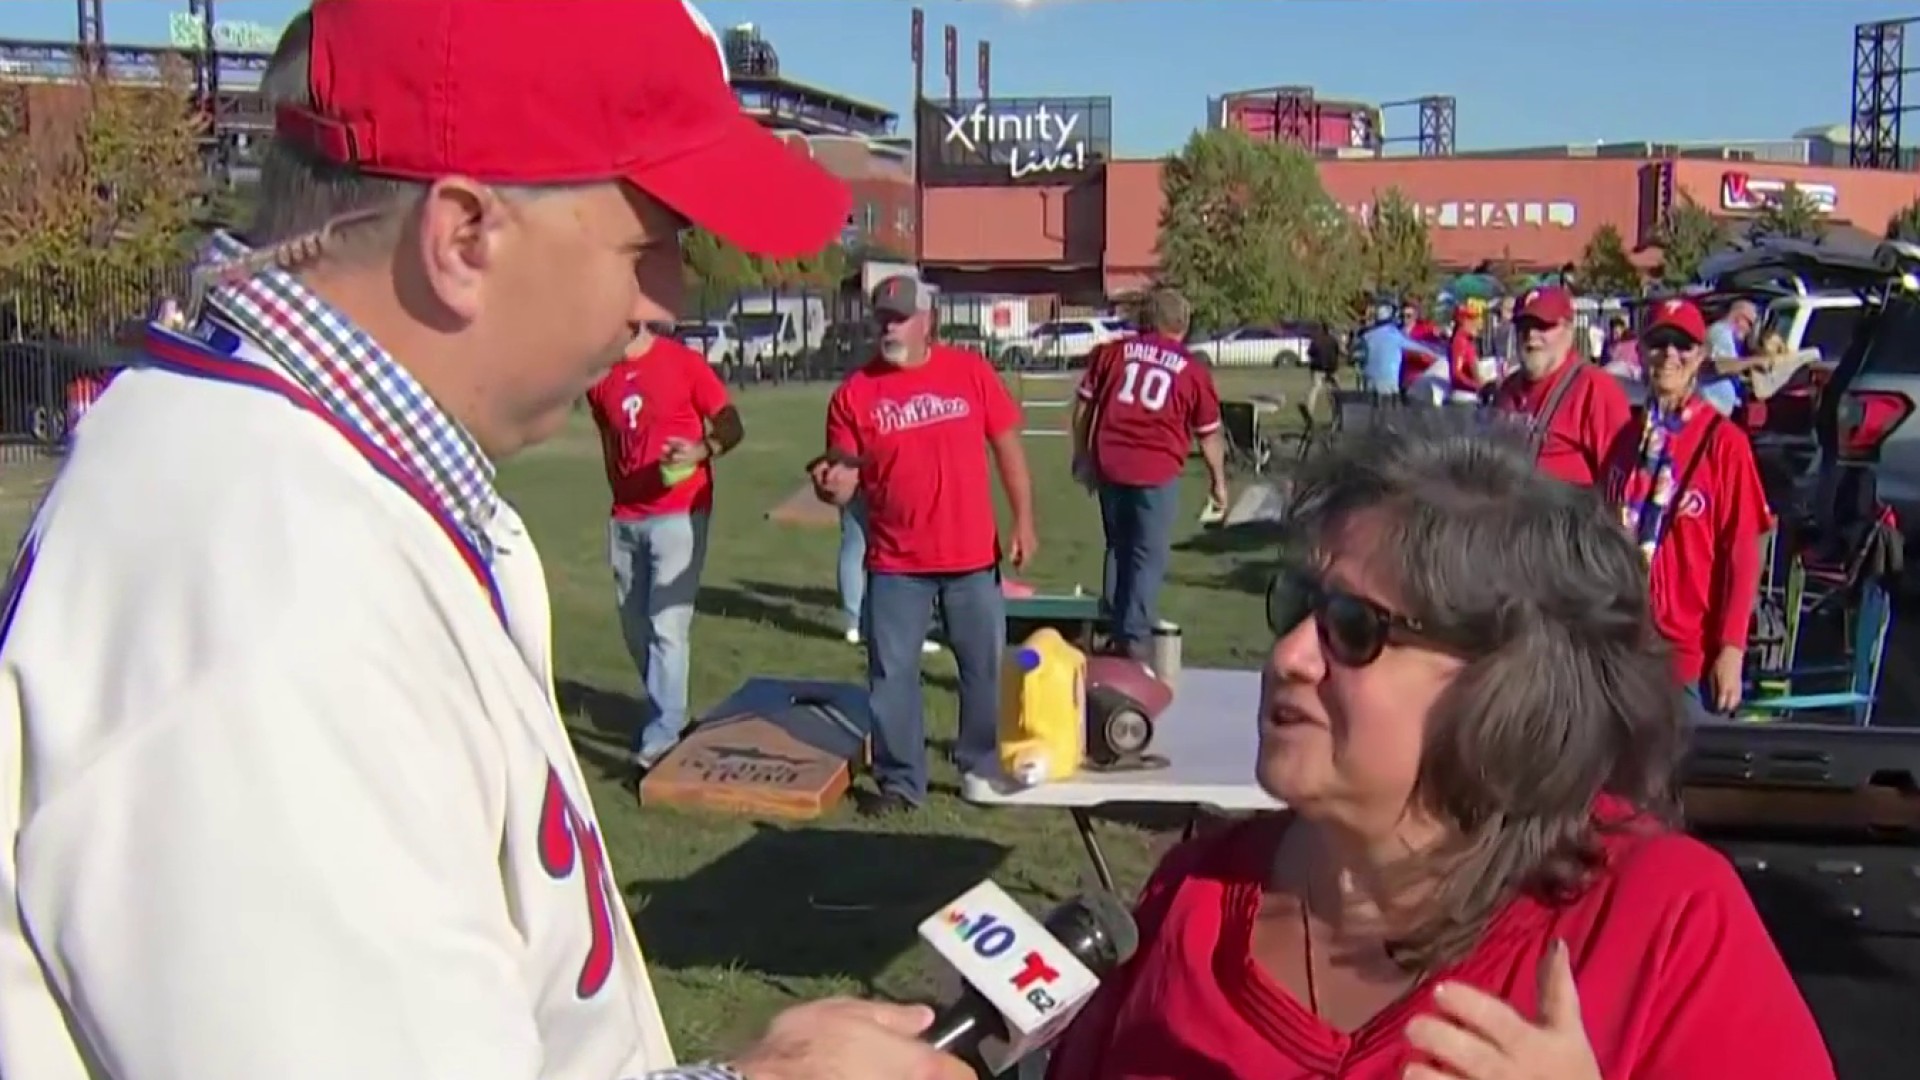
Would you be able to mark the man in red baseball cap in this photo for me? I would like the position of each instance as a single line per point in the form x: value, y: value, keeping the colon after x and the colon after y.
x: 1573, y: 409
x: 285, y: 792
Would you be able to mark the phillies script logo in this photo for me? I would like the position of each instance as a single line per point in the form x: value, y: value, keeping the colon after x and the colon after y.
x: 920, y: 410
x: 567, y: 842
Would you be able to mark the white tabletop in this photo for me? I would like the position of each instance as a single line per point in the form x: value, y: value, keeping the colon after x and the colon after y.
x: 1209, y: 739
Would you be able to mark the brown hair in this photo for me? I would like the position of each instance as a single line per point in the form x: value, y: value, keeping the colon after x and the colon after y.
x: 1567, y: 693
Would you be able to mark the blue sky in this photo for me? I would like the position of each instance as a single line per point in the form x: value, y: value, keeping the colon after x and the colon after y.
x: 1525, y: 72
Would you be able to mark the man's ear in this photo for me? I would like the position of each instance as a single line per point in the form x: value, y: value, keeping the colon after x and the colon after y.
x: 460, y: 224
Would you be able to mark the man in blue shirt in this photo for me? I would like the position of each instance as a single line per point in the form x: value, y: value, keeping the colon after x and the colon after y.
x: 1722, y: 387
x: 1385, y: 345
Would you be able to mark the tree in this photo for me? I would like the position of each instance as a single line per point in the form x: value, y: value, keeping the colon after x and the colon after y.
x: 1905, y: 225
x: 1605, y: 266
x: 1397, y: 254
x: 1690, y: 234
x: 717, y: 272
x: 1250, y: 236
x: 99, y: 187
x: 1794, y: 215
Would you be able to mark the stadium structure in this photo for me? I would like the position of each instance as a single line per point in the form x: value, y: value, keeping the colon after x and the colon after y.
x: 855, y: 139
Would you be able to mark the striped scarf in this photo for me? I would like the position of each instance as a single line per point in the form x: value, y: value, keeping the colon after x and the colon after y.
x: 1649, y: 493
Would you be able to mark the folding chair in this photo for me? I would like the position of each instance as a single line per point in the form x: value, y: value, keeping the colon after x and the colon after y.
x: 1247, y: 445
x: 1858, y: 593
x: 1872, y: 617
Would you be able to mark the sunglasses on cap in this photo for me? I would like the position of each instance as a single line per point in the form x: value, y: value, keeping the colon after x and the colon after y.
x: 1353, y: 629
x: 1665, y: 337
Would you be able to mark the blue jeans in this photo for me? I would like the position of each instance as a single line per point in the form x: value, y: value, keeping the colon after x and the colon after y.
x: 851, y: 574
x: 656, y: 575
x: 899, y: 615
x: 1139, y: 527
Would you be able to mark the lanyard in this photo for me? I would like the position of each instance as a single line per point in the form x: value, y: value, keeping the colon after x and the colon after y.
x: 179, y: 355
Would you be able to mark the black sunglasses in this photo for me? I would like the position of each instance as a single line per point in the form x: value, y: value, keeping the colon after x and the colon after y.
x: 1663, y: 338
x: 1353, y: 629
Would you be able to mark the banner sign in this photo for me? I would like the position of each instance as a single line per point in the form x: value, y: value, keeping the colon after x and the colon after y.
x: 998, y: 142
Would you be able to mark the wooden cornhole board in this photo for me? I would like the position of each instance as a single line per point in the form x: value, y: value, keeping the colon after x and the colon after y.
x: 804, y: 508
x: 781, y: 748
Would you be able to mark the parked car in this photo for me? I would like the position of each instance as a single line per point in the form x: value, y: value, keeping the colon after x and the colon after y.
x: 1252, y: 346
x: 1864, y: 423
x: 1063, y: 342
x: 714, y: 340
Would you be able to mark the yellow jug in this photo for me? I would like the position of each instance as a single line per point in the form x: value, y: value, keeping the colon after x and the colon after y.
x: 1043, y: 705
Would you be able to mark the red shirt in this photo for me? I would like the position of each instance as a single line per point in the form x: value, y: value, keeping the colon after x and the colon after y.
x: 1151, y: 398
x: 1463, y: 362
x: 1676, y: 973
x: 921, y: 433
x: 1706, y: 569
x: 667, y: 392
x: 1580, y: 433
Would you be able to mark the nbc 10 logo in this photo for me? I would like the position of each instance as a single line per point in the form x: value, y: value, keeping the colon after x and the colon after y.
x: 991, y: 939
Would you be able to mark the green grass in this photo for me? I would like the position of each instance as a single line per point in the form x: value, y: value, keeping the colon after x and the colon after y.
x: 740, y: 919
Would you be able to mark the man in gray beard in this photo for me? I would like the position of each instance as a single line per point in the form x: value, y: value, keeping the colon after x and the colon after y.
x: 911, y: 434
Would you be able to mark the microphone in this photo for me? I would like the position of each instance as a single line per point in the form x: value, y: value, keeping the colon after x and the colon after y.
x: 1024, y: 980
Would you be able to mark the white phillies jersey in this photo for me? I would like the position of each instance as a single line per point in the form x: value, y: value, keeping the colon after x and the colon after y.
x: 282, y: 800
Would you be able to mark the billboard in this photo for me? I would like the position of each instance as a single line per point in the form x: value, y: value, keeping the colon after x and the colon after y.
x: 997, y: 142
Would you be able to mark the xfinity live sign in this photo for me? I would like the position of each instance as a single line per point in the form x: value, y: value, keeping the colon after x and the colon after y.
x: 1014, y: 141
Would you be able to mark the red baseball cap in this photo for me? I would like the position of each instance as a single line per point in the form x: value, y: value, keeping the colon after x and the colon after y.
x: 1546, y: 304
x: 559, y: 92
x: 1677, y: 313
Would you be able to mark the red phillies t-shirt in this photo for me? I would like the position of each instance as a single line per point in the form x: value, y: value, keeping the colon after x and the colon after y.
x: 666, y: 392
x: 1580, y: 433
x: 1151, y: 399
x: 1677, y: 977
x: 1463, y: 362
x: 1706, y: 569
x: 921, y: 433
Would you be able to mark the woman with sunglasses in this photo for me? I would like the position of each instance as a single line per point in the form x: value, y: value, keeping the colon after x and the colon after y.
x: 1683, y: 482
x: 1472, y: 723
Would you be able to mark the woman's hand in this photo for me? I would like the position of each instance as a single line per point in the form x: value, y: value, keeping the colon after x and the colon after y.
x: 1483, y: 1038
x: 1726, y: 678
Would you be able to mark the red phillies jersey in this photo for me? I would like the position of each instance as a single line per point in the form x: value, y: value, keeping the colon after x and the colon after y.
x: 1706, y: 569
x: 1676, y: 974
x: 666, y: 392
x: 1463, y: 362
x: 1151, y: 398
x: 1580, y: 433
x: 921, y: 433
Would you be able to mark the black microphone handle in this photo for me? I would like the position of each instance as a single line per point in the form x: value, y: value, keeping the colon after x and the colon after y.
x: 961, y: 1027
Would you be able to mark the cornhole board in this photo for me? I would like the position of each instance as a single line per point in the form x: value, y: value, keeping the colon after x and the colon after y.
x: 804, y: 508
x: 1074, y: 616
x: 1257, y: 503
x: 782, y: 748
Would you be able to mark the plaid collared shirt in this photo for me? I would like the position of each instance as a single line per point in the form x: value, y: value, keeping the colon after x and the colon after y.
x: 354, y: 378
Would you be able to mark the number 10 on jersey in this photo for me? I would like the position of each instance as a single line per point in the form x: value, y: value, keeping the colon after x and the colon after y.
x: 1145, y: 385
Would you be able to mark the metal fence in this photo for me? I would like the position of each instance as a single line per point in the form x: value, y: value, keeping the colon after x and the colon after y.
x: 771, y: 336
x: 63, y: 336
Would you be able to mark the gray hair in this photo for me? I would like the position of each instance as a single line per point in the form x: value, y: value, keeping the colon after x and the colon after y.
x: 1567, y: 692
x: 301, y: 192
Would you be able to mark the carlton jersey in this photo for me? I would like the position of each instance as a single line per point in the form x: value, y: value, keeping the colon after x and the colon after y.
x: 283, y: 786
x: 1706, y: 570
x: 1574, y: 441
x: 1150, y: 398
x: 921, y: 434
x: 667, y: 392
